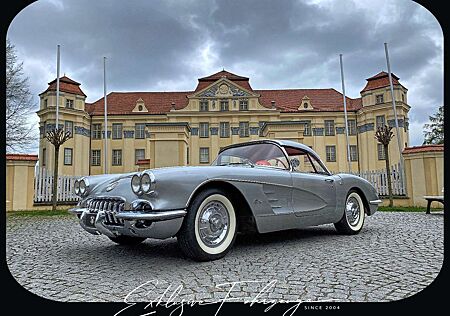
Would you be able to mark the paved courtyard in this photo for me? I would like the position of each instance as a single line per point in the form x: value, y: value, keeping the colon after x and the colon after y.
x: 395, y: 256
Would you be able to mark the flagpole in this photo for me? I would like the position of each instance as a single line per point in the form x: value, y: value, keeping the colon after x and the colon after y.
x: 400, y: 145
x: 105, y: 154
x: 57, y: 86
x: 345, y: 114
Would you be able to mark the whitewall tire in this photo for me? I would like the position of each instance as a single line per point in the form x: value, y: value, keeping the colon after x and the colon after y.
x: 209, y: 228
x: 354, y: 215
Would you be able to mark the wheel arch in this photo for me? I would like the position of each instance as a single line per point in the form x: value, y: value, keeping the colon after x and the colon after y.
x: 363, y: 197
x: 245, y: 218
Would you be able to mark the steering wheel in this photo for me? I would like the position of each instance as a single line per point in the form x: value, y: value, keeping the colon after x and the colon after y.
x: 280, y: 161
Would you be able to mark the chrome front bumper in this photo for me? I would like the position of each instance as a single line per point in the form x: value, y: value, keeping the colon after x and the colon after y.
x: 163, y: 224
x: 373, y: 206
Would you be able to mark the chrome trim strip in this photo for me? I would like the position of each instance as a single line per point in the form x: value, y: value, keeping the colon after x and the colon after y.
x: 235, y: 180
x: 153, y: 216
x: 252, y: 181
x: 77, y: 211
x: 109, y: 197
x: 375, y: 202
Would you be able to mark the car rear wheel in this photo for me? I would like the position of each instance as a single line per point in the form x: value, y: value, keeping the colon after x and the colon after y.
x: 352, y: 221
x: 127, y: 240
x: 209, y: 228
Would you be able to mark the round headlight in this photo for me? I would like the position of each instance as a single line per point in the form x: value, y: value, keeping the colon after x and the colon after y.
x: 76, y: 187
x: 147, y: 182
x: 82, y: 187
x: 136, y: 184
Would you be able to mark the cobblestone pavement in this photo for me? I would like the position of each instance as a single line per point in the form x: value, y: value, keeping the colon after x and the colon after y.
x: 395, y: 256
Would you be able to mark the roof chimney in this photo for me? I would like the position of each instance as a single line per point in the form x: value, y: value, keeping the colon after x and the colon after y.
x: 273, y: 104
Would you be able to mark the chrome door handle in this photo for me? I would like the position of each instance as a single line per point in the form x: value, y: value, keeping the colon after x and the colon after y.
x: 329, y: 180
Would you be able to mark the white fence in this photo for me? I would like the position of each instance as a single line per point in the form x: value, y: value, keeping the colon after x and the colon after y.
x: 43, y: 184
x: 378, y: 178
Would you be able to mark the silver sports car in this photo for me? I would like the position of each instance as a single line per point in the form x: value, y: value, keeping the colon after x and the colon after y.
x: 261, y: 186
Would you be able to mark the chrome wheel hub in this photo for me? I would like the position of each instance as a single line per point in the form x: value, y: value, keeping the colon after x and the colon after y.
x: 352, y: 211
x: 213, y: 223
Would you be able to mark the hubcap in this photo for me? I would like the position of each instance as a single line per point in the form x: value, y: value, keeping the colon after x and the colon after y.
x: 352, y: 211
x: 213, y: 223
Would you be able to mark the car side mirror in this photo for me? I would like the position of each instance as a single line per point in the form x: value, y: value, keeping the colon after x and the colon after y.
x: 295, y: 162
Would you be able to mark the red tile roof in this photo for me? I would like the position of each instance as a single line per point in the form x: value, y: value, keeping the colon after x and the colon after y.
x: 239, y: 80
x: 288, y: 100
x: 124, y: 102
x: 21, y: 157
x: 380, y: 80
x: 321, y: 100
x: 65, y: 85
x: 423, y: 148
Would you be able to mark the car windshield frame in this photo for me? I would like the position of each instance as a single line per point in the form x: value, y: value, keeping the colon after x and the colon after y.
x: 248, y: 158
x: 312, y: 157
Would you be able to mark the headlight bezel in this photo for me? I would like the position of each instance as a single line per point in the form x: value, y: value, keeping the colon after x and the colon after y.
x: 152, y: 183
x: 76, y: 187
x: 81, y: 186
x: 136, y: 184
x: 147, y: 183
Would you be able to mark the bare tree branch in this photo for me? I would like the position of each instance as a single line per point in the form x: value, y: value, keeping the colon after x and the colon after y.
x: 384, y: 136
x: 57, y: 137
x: 20, y: 135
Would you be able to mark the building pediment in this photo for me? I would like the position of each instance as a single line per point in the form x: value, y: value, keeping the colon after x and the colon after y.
x: 223, y: 88
x: 305, y: 104
x: 140, y: 106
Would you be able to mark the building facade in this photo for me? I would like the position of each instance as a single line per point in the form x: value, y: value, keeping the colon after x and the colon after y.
x: 159, y: 129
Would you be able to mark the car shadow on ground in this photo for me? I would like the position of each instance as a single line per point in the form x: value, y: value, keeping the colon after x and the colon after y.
x: 274, y: 238
x: 168, y: 249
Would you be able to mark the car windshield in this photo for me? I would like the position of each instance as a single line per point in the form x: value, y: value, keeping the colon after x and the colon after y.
x: 261, y: 154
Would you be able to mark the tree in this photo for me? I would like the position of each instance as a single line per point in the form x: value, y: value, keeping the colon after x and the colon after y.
x: 434, y: 131
x: 20, y: 135
x: 57, y: 137
x: 384, y: 136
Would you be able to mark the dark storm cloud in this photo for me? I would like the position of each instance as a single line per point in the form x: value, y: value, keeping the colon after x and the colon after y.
x: 167, y: 45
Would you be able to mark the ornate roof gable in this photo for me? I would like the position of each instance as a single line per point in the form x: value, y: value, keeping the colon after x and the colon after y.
x: 223, y: 88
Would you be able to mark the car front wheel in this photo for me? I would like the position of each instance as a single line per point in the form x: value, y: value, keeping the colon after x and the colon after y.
x: 209, y: 228
x: 352, y: 221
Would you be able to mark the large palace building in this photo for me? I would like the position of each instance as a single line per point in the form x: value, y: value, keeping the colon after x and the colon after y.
x: 158, y: 129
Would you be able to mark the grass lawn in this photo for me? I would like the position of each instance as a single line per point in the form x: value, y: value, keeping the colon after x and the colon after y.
x: 406, y: 209
x: 39, y: 213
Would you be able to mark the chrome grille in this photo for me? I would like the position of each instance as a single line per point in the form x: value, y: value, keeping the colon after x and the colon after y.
x: 110, y: 206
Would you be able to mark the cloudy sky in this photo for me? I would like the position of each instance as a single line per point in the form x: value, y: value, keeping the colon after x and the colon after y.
x: 166, y: 45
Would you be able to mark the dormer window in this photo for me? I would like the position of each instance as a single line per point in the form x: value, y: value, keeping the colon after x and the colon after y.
x: 69, y: 103
x: 140, y: 106
x: 379, y: 98
x: 305, y: 103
